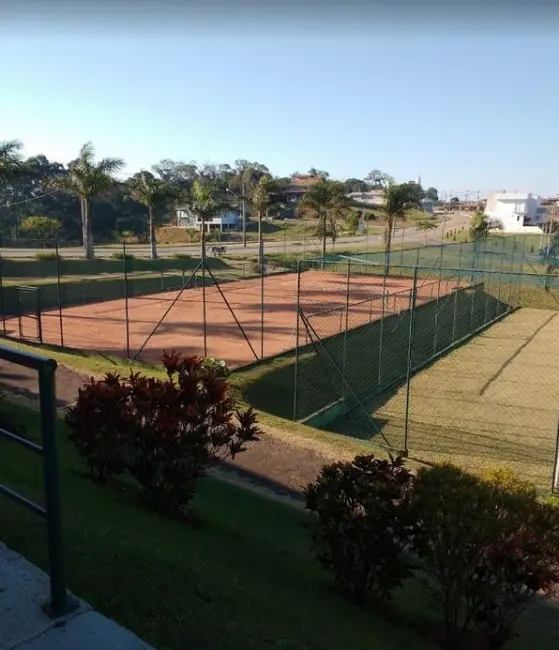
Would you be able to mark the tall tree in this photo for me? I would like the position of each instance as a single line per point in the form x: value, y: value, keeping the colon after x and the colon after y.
x: 318, y: 173
x: 378, y: 179
x: 397, y: 199
x: 432, y: 194
x: 88, y: 179
x: 145, y: 188
x: 325, y: 201
x: 205, y: 202
x: 355, y: 185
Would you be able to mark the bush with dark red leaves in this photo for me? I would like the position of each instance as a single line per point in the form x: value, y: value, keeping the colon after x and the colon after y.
x: 363, y: 525
x: 166, y: 433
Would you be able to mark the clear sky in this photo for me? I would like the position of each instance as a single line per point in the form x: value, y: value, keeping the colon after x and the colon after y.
x: 465, y: 110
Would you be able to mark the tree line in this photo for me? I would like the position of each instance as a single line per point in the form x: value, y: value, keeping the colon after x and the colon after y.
x: 85, y: 200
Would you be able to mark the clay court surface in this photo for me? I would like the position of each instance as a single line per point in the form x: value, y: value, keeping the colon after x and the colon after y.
x: 101, y: 326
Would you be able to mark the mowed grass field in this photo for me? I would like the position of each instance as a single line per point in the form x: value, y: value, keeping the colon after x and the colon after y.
x: 492, y: 402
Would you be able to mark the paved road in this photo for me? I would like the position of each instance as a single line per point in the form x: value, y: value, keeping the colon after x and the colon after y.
x: 409, y: 235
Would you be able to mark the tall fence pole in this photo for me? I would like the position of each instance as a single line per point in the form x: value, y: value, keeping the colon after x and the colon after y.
x: 262, y: 304
x: 59, y: 293
x: 2, y: 298
x: 344, y: 351
x: 296, y: 370
x: 203, y: 255
x: 127, y: 322
x: 410, y: 360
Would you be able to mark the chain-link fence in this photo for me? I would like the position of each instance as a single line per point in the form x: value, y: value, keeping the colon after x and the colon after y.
x: 406, y: 357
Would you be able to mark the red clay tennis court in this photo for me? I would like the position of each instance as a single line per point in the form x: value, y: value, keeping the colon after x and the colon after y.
x: 235, y: 318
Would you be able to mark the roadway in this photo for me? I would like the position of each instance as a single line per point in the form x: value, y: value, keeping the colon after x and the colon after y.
x: 408, y: 235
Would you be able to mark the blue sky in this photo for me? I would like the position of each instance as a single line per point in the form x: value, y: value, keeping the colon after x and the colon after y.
x: 466, y: 111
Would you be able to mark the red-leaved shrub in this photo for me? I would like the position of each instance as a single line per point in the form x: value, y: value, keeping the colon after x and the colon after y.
x: 97, y: 425
x: 363, y: 524
x: 166, y: 433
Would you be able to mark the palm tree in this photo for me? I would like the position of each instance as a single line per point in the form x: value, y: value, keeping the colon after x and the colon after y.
x: 145, y: 188
x: 10, y: 159
x: 326, y: 201
x: 397, y: 199
x: 205, y: 202
x: 87, y: 179
x: 261, y: 199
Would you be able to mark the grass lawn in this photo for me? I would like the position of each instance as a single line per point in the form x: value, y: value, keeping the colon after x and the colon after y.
x: 243, y: 578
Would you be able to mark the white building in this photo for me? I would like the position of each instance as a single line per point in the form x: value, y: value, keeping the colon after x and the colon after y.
x: 519, y: 212
x: 185, y: 219
x: 372, y: 197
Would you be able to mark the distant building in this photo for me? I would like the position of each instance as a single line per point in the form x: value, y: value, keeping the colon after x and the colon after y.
x: 225, y: 221
x: 372, y: 197
x: 293, y: 192
x: 518, y: 212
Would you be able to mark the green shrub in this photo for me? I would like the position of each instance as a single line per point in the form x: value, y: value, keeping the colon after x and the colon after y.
x: 182, y: 256
x: 454, y: 511
x: 119, y: 255
x: 503, y: 478
x: 218, y: 366
x: 47, y: 256
x: 362, y: 524
x: 166, y: 433
x: 489, y: 545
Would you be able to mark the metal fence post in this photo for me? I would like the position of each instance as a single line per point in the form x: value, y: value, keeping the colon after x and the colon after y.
x: 204, y: 320
x: 127, y: 325
x: 296, y: 369
x: 262, y: 306
x: 344, y: 349
x: 456, y: 290
x: 383, y: 298
x: 59, y: 293
x: 410, y: 361
x: 47, y: 396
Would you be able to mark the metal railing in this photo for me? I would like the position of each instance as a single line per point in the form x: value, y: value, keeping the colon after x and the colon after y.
x: 60, y: 602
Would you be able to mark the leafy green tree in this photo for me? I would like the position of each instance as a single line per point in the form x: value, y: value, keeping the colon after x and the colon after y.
x: 40, y: 227
x: 325, y: 201
x: 355, y: 185
x: 378, y: 179
x: 145, y: 188
x: 87, y: 179
x: 205, y: 202
x: 432, y: 194
x: 318, y: 173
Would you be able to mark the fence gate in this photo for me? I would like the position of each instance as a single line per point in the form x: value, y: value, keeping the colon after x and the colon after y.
x: 28, y: 305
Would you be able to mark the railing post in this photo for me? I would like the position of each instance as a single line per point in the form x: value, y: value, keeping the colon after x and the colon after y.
x: 58, y: 597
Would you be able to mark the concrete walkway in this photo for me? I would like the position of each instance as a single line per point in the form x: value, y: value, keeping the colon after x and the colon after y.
x: 24, y: 626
